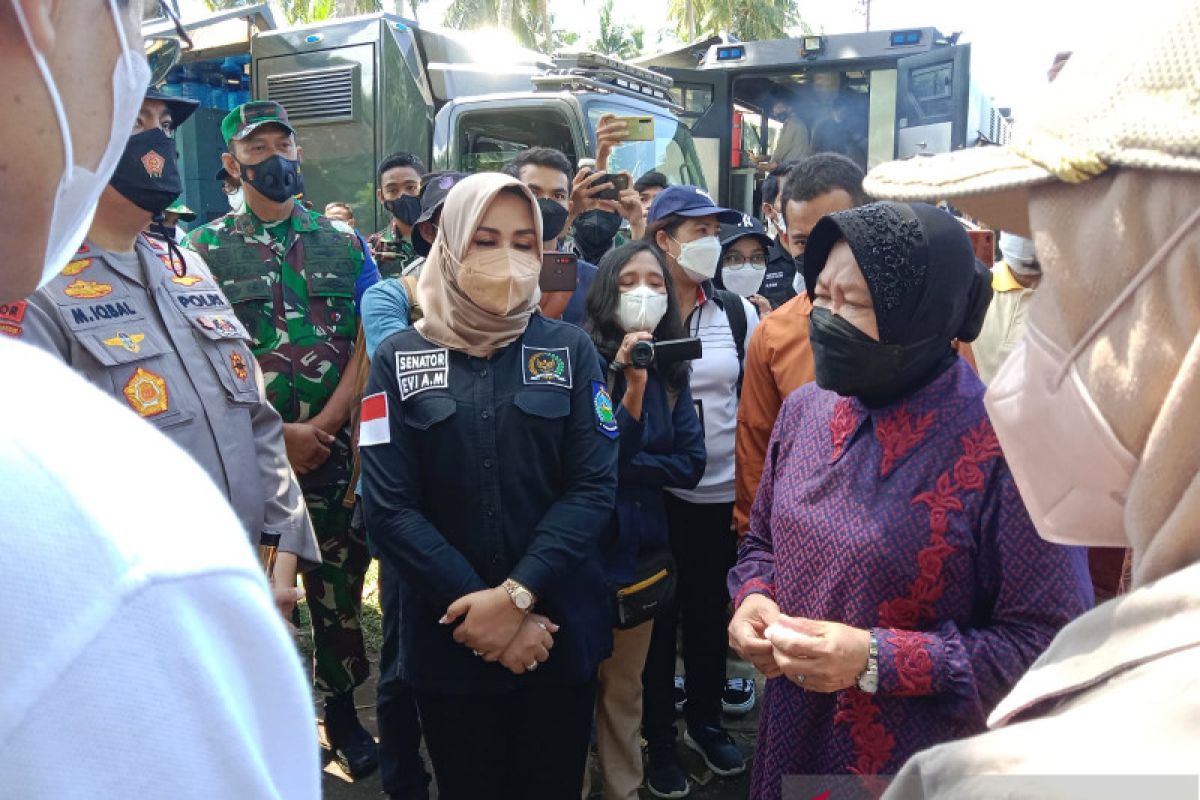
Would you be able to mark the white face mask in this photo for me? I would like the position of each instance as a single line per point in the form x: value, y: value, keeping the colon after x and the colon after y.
x: 237, y: 201
x: 699, y: 258
x: 776, y: 227
x: 641, y: 309
x: 79, y: 189
x: 1071, y: 469
x: 745, y: 280
x: 798, y: 283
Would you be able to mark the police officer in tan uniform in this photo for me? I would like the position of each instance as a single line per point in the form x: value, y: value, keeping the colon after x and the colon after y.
x: 145, y: 322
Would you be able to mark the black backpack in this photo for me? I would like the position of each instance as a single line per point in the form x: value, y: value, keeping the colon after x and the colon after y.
x: 732, y: 305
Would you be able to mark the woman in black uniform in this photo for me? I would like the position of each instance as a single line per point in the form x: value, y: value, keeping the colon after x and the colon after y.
x: 489, y: 475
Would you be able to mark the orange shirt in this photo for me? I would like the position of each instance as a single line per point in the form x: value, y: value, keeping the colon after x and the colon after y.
x: 778, y: 362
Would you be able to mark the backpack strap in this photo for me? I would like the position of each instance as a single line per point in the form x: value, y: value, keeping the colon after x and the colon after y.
x: 736, y: 313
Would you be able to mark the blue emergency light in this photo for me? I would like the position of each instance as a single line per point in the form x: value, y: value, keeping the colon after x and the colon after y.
x: 902, y: 38
x: 313, y: 38
x: 731, y: 53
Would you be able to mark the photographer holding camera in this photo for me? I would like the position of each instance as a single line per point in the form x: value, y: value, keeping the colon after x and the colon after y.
x: 629, y: 306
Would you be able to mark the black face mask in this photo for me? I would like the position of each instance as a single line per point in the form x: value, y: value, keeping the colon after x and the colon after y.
x: 849, y: 362
x: 148, y: 173
x: 276, y: 178
x: 594, y: 230
x: 406, y: 208
x: 554, y: 218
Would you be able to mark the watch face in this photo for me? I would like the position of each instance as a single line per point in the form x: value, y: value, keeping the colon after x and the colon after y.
x: 523, y: 599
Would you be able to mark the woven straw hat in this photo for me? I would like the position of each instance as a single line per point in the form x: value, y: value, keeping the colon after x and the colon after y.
x: 1129, y: 99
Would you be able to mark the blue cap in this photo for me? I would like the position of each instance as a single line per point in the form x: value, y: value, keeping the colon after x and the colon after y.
x: 745, y: 226
x: 689, y: 201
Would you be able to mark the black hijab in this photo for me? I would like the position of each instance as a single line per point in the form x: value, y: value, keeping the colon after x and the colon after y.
x: 927, y: 288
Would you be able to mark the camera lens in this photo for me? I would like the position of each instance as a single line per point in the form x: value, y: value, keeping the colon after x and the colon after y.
x: 642, y: 354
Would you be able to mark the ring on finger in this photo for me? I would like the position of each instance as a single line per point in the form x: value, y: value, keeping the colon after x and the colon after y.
x: 531, y: 667
x: 798, y: 678
x: 477, y: 653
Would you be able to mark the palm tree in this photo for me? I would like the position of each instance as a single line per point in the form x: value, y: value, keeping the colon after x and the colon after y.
x: 617, y: 40
x: 746, y: 19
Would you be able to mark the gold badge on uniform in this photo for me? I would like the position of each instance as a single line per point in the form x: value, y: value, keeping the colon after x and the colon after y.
x: 239, y: 366
x: 154, y: 164
x: 547, y: 365
x: 186, y: 280
x: 131, y: 342
x: 87, y: 290
x: 146, y: 393
x: 77, y: 266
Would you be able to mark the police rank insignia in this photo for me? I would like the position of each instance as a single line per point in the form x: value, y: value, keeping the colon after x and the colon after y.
x: 239, y: 366
x: 86, y: 290
x: 131, y: 342
x: 606, y: 420
x: 154, y: 164
x: 146, y: 393
x: 77, y: 266
x: 186, y: 280
x: 421, y: 370
x: 12, y: 316
x: 547, y: 365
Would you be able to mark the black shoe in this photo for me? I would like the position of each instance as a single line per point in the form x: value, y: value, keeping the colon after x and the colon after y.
x: 666, y: 778
x: 352, y: 746
x: 738, y: 697
x: 718, y: 751
x: 679, y: 694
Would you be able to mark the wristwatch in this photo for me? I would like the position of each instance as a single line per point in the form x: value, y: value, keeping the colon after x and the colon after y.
x: 868, y: 680
x: 521, y: 597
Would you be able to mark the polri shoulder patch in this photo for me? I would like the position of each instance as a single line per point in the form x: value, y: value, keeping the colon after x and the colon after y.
x: 12, y: 316
x: 546, y: 366
x: 421, y: 370
x: 606, y: 420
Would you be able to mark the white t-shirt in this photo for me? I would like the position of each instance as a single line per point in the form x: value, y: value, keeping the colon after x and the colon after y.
x: 142, y: 655
x: 714, y: 391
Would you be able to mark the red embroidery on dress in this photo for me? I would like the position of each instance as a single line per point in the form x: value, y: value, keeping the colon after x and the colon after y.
x: 751, y: 586
x: 913, y: 662
x: 898, y: 433
x: 844, y: 423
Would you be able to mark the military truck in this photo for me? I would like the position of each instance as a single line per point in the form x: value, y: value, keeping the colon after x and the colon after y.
x: 881, y: 94
x: 359, y: 89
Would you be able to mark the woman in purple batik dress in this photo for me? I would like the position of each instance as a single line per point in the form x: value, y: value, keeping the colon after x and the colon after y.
x: 892, y: 586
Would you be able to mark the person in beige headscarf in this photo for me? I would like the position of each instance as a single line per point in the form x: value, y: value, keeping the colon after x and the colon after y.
x: 1098, y: 411
x: 489, y: 450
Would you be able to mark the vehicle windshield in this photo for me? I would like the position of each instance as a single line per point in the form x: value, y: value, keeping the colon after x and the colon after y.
x: 489, y: 138
x: 672, y: 152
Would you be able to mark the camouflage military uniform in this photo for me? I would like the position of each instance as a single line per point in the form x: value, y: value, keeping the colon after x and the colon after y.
x: 292, y: 286
x: 392, y: 252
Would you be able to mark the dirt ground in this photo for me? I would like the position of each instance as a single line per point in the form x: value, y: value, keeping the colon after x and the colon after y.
x: 705, y: 785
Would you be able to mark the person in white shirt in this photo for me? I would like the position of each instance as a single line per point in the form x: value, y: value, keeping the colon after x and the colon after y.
x: 144, y: 656
x: 684, y: 224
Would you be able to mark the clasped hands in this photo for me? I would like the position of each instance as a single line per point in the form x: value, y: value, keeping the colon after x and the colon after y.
x: 495, y: 630
x: 819, y: 655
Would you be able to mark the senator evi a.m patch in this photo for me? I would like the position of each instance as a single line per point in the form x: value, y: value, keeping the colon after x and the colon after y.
x: 606, y: 419
x: 546, y: 366
x: 421, y: 370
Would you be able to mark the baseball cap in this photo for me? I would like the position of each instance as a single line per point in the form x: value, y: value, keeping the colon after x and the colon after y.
x: 180, y: 107
x: 689, y: 201
x: 1120, y: 101
x: 185, y: 213
x: 437, y: 186
x: 248, y: 117
x: 747, y: 226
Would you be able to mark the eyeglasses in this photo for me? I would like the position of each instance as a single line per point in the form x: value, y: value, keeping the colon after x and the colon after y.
x: 737, y: 261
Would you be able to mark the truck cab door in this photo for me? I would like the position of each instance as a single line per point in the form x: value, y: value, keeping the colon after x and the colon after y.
x: 704, y: 97
x: 932, y: 94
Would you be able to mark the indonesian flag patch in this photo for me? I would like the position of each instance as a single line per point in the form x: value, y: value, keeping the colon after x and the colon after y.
x: 374, y: 427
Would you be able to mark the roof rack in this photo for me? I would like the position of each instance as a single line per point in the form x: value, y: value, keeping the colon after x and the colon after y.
x: 597, y: 72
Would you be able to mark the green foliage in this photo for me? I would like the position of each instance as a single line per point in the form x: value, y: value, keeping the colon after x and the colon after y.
x: 746, y: 19
x: 618, y: 40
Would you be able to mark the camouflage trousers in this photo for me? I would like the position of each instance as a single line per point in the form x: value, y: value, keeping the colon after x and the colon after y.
x: 334, y: 593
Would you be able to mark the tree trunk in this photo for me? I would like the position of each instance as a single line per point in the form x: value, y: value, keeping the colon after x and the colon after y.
x: 344, y: 8
x: 504, y: 15
x: 689, y: 19
x: 547, y: 32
